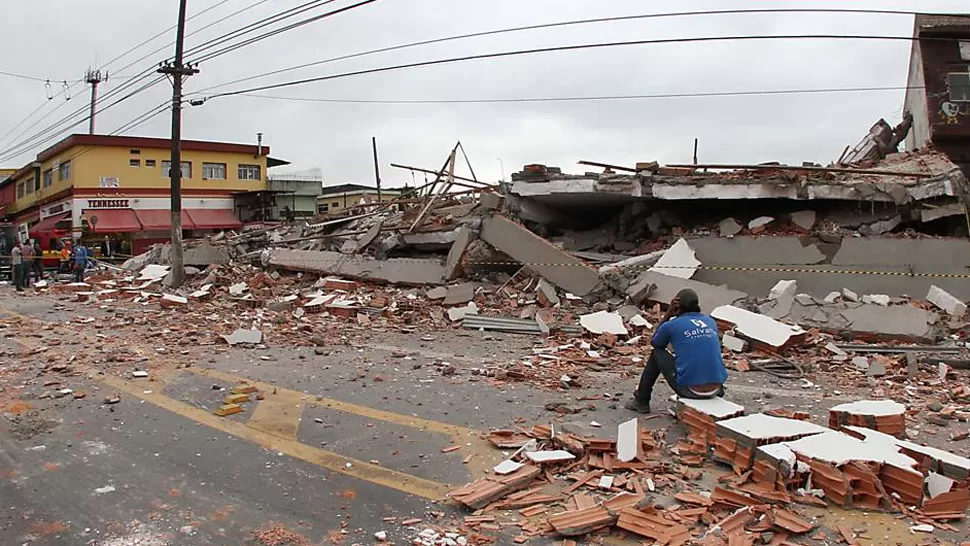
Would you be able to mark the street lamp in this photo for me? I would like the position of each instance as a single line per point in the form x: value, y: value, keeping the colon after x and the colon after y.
x: 502, y: 166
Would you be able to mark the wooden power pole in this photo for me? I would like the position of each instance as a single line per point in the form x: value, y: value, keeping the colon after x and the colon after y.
x: 178, y: 71
x: 377, y: 168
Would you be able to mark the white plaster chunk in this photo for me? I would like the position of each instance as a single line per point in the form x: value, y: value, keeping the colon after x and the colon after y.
x: 760, y: 221
x: 153, y: 272
x: 606, y: 482
x: 937, y: 484
x: 942, y: 299
x: 783, y: 288
x: 507, y: 467
x: 678, y: 261
x: 458, y: 313
x: 849, y: 295
x: 627, y: 440
x: 550, y: 456
x: 838, y: 448
x: 717, y: 408
x: 757, y: 326
x: 887, y: 441
x: 640, y: 322
x: 833, y: 297
x: 877, y: 299
x: 874, y: 408
x: 603, y: 322
x: 764, y: 427
x: 780, y: 452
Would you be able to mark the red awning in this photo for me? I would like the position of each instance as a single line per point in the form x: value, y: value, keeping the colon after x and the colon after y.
x: 113, y: 221
x: 161, y: 219
x: 214, y: 219
x: 47, y: 225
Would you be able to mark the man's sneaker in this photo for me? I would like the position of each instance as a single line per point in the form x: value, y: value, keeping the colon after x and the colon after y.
x: 638, y: 405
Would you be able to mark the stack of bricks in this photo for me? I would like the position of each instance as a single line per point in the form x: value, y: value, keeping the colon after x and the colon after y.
x: 738, y: 439
x: 885, y: 416
x: 700, y: 417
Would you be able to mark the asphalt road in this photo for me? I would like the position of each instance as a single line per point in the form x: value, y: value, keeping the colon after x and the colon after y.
x: 349, y: 440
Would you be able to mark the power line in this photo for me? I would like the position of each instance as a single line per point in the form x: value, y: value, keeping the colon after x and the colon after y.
x: 142, y: 75
x: 146, y: 73
x: 763, y: 92
x: 26, y: 77
x: 281, y: 30
x: 564, y: 24
x: 576, y: 47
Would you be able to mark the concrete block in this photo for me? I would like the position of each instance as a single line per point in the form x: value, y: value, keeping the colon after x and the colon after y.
x: 437, y: 293
x: 756, y: 326
x: 665, y: 287
x: 678, y: 261
x: 849, y: 295
x: 460, y: 293
x: 736, y: 344
x: 942, y: 299
x: 804, y: 219
x: 489, y: 201
x: 558, y: 267
x: 877, y: 299
x: 463, y: 237
x: 783, y: 288
x: 401, y: 271
x: 729, y: 227
x: 457, y: 313
x: 546, y: 293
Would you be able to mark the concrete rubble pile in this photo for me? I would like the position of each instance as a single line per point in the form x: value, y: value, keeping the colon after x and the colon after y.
x: 562, y: 481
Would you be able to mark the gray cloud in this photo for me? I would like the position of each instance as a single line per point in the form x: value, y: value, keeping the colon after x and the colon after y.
x: 336, y: 137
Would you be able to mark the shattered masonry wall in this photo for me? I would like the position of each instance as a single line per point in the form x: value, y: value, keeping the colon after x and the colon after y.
x: 902, y: 257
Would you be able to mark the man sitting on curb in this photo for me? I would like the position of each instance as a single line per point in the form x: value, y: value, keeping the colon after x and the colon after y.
x: 697, y: 371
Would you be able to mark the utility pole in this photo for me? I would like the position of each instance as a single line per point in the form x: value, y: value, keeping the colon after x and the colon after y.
x: 177, y: 71
x: 94, y: 77
x: 377, y: 169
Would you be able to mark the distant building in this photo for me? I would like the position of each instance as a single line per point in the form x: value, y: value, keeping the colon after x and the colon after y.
x: 95, y: 185
x: 286, y: 197
x: 938, y: 87
x: 336, y: 200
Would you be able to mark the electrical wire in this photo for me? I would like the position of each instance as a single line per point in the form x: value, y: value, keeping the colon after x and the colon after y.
x: 281, y: 30
x: 26, y: 77
x: 595, y: 97
x: 141, y: 75
x: 574, y: 22
x: 288, y: 13
x: 555, y: 49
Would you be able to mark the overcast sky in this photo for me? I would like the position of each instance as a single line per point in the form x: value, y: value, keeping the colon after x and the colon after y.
x: 335, y: 137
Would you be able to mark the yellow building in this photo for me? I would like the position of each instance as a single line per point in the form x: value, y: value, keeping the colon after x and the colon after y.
x: 119, y: 186
x: 338, y: 200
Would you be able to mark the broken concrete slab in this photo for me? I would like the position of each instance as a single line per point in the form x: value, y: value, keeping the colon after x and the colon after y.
x: 429, y: 240
x: 678, y: 261
x: 243, y: 337
x: 546, y: 293
x: 735, y: 344
x: 153, y: 272
x: 849, y: 295
x: 558, y: 267
x: 396, y: 270
x: 460, y: 293
x: 603, y: 322
x: 804, y: 219
x: 781, y: 297
x: 437, y: 293
x: 945, y: 301
x: 661, y: 288
x: 206, y: 254
x: 367, y: 238
x: 758, y: 327
x: 463, y: 238
x: 867, y: 320
x: 729, y: 227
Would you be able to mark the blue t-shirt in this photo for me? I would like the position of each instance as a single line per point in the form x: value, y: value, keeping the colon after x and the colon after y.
x: 697, y: 349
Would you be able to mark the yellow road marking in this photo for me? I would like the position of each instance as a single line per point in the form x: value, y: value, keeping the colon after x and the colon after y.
x: 483, y: 455
x: 386, y: 477
x: 278, y: 414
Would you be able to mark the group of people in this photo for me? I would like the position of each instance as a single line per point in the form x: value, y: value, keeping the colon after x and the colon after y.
x: 27, y: 259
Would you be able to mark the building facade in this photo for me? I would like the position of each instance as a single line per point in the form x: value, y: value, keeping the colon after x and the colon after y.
x: 339, y: 200
x: 95, y: 185
x: 938, y: 87
x: 287, y: 197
